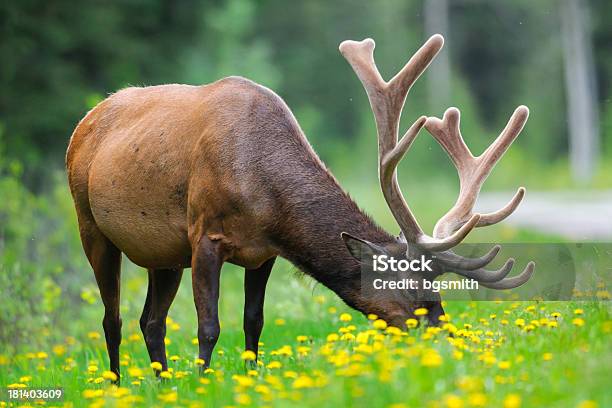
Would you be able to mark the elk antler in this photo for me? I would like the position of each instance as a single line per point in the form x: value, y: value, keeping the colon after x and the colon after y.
x: 387, y: 100
x: 473, y: 171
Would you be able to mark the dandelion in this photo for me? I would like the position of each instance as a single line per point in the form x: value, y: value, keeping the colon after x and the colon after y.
x: 332, y: 337
x: 174, y: 358
x: 195, y: 341
x: 421, y: 311
x: 136, y: 382
x: 93, y: 335
x: 504, y: 365
x: 156, y: 365
x: 412, y: 323
x: 477, y: 399
x: 109, y: 375
x: 290, y: 374
x: 431, y: 358
x: 302, y: 338
x: 99, y: 380
x: 578, y: 311
x: 25, y: 379
x: 520, y: 322
x: 248, y: 355
x: 588, y: 404
x: 547, y: 356
x: 166, y: 374
x: 303, y: 381
x: 169, y: 397
x: 380, y: 324
x: 372, y: 316
x: 555, y: 315
x: 89, y: 394
x: 135, y: 372
x: 512, y: 401
x: 222, y: 353
x: 578, y: 322
x: 280, y: 322
x: 345, y: 317
x: 243, y: 399
x: 199, y: 361
x: 274, y: 364
x: 92, y: 368
x: 453, y: 401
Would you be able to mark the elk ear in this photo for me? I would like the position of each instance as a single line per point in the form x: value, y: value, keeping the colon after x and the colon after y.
x: 361, y: 249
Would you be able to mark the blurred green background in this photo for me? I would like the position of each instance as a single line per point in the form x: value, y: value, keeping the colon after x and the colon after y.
x: 59, y: 59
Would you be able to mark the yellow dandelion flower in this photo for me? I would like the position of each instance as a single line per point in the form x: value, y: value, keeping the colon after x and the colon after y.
x: 372, y: 316
x: 109, y: 375
x: 89, y: 394
x: 552, y: 323
x: 274, y: 364
x: 520, y: 322
x: 166, y: 374
x: 588, y: 404
x: 93, y: 335
x: 199, y: 361
x: 477, y: 399
x: 555, y: 315
x: 504, y: 322
x: 431, y: 358
x: 453, y: 401
x: 135, y: 372
x: 380, y: 324
x: 421, y: 311
x: 345, y: 317
x: 195, y: 341
x: 512, y: 401
x: 92, y: 368
x: 221, y: 352
x: 169, y: 397
x: 248, y: 355
x: 280, y: 322
x: 243, y: 380
x: 136, y: 382
x: 174, y: 358
x: 16, y: 386
x: 578, y: 311
x: 412, y: 323
x: 547, y: 356
x: 156, y: 365
x: 25, y: 379
x: 332, y: 337
x: 242, y: 399
x: 209, y: 371
x: 302, y: 338
x: 578, y: 322
x: 504, y: 365
x: 98, y: 380
x: 262, y: 389
x: 444, y: 318
x: 290, y: 374
x: 303, y: 381
x: 175, y: 327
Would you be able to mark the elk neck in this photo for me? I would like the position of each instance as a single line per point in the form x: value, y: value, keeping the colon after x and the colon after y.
x: 314, y: 214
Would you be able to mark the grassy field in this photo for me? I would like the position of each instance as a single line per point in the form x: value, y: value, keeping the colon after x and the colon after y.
x: 316, y: 352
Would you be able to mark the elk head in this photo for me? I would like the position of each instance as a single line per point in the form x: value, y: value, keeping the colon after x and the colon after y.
x: 387, y: 100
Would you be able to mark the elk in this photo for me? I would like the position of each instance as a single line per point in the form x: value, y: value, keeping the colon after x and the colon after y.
x: 178, y: 176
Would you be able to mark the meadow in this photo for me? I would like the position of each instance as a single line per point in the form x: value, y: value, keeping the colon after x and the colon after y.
x: 503, y: 354
x: 315, y: 351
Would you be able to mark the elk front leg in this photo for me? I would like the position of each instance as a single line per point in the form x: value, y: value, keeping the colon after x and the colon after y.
x: 206, y: 265
x: 255, y: 281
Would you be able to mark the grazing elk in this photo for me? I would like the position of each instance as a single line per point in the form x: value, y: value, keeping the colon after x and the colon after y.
x: 178, y: 176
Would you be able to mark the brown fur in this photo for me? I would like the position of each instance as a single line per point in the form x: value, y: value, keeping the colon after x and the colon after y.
x: 176, y: 175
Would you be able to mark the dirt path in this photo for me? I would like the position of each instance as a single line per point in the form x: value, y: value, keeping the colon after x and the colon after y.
x: 577, y: 215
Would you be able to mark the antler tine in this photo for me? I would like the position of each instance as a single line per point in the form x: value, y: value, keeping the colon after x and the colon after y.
x: 513, y: 282
x: 387, y: 100
x: 473, y: 171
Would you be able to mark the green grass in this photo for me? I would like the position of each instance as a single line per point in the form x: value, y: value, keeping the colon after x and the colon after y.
x: 560, y: 366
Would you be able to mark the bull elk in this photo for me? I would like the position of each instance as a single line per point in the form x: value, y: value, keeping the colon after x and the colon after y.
x: 178, y: 176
